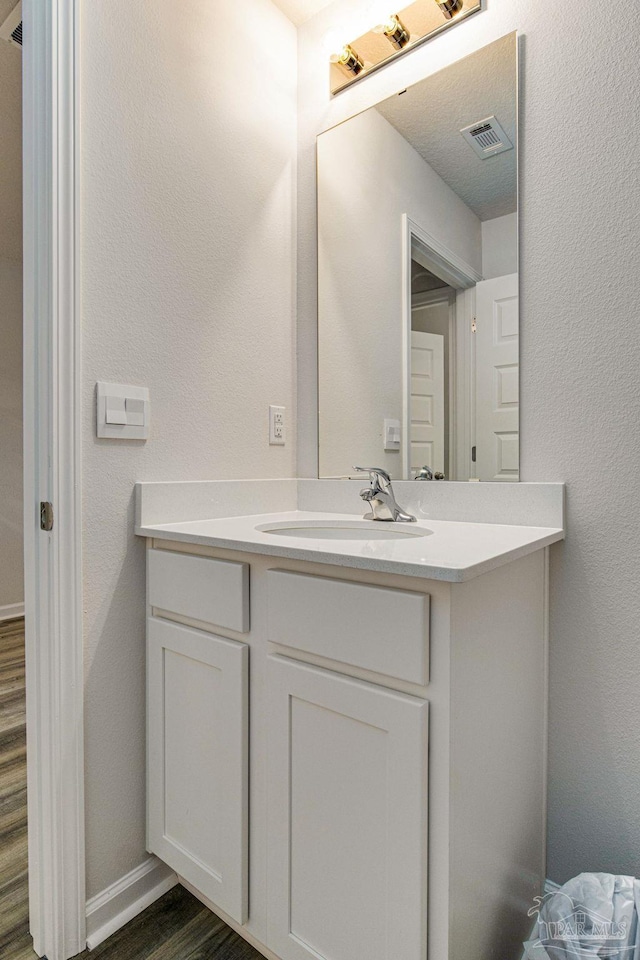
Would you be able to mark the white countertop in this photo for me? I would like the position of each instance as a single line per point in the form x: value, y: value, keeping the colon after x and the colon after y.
x: 455, y: 551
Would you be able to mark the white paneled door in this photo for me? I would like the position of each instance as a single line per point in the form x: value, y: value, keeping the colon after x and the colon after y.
x: 497, y: 379
x: 347, y: 818
x: 427, y: 412
x: 197, y: 776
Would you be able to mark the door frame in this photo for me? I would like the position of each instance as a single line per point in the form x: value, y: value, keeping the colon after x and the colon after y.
x: 451, y: 268
x: 52, y: 472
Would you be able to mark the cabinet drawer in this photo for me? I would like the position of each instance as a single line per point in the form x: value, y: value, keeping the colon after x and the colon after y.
x: 374, y: 628
x: 214, y: 591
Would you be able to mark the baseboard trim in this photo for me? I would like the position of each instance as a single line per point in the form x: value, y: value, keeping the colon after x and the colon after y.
x: 126, y: 898
x: 11, y: 611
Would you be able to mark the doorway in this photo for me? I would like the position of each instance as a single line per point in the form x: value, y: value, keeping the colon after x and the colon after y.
x: 53, y: 686
x: 11, y: 532
x: 460, y: 365
x: 433, y: 347
x: 13, y: 759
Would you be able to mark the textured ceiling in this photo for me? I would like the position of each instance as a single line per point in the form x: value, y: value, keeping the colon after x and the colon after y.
x: 299, y: 11
x: 10, y: 145
x: 431, y: 114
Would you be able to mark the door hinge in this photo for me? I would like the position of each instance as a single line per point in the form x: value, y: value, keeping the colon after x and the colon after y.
x: 473, y: 454
x: 474, y: 326
x: 46, y: 516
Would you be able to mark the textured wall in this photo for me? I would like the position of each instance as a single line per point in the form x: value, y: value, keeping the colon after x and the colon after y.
x: 188, y: 173
x: 11, y: 536
x: 10, y: 146
x: 500, y: 246
x: 369, y: 177
x: 580, y: 360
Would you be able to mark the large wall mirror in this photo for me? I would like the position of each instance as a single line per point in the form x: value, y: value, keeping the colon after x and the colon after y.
x: 418, y: 278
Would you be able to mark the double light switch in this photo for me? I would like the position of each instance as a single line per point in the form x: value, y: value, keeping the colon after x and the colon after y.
x: 123, y: 412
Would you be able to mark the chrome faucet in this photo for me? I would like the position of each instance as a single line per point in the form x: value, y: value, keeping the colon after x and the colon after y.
x: 379, y: 495
x: 425, y: 473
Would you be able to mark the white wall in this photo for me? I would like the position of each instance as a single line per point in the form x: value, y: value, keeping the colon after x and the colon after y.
x: 579, y: 227
x: 188, y: 174
x: 10, y: 148
x: 369, y: 176
x: 500, y: 246
x: 11, y: 535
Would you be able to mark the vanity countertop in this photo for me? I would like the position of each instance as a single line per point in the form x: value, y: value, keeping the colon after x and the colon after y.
x: 453, y: 551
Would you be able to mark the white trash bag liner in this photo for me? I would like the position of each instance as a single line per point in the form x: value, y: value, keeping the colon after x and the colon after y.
x: 593, y: 915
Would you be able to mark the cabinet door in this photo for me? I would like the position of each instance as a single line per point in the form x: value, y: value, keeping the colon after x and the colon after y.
x: 197, y: 755
x: 347, y: 813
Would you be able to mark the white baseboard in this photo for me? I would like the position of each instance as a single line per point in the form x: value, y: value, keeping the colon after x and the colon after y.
x: 126, y: 898
x: 11, y: 611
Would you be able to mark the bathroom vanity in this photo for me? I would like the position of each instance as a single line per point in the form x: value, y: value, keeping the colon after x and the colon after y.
x: 346, y: 717
x: 346, y: 734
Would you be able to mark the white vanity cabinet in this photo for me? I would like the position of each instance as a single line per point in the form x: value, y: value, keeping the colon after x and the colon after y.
x: 198, y: 726
x: 347, y: 820
x: 348, y: 771
x: 345, y: 764
x: 198, y: 760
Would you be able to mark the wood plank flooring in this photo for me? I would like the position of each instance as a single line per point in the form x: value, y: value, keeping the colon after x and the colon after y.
x: 13, y: 795
x: 176, y: 927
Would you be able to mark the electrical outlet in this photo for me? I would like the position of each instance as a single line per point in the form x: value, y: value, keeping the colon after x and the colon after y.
x: 276, y: 425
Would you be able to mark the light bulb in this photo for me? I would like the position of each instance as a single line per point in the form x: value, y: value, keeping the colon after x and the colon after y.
x: 450, y: 7
x: 395, y: 31
x: 349, y: 59
x: 387, y: 26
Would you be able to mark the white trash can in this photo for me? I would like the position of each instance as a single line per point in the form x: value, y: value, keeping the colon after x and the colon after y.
x: 593, y: 915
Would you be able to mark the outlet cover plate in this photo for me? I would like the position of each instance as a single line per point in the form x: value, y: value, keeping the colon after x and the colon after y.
x: 277, y: 436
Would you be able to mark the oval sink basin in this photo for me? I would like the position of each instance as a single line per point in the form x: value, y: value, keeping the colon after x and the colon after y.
x: 344, y: 530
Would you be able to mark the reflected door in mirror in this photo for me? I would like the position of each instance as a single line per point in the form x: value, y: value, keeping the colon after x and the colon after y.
x: 497, y: 379
x: 417, y: 247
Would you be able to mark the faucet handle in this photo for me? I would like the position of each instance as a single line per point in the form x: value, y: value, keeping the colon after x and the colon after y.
x: 374, y: 473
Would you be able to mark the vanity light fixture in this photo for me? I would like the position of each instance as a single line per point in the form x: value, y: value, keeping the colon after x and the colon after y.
x: 349, y: 59
x: 450, y: 7
x: 395, y: 31
x: 400, y: 32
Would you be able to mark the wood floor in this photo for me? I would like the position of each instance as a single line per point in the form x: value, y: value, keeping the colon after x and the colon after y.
x: 14, y: 940
x: 176, y: 927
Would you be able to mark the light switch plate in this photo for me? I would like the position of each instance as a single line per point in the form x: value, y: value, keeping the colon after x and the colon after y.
x: 392, y: 434
x: 122, y: 412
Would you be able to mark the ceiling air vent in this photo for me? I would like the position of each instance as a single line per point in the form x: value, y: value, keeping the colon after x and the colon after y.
x: 11, y: 29
x: 487, y: 138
